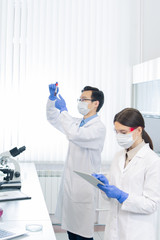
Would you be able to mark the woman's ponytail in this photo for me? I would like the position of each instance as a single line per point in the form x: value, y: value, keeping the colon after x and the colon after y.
x: 147, y: 138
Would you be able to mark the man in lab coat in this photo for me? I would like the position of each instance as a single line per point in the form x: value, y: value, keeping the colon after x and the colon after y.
x: 76, y: 201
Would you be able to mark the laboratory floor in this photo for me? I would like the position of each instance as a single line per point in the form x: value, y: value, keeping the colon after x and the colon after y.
x: 62, y: 235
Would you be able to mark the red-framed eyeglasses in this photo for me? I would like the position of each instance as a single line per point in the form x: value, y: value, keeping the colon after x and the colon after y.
x: 132, y: 129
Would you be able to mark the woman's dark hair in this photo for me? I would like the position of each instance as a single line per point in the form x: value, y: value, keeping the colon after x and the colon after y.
x: 97, y: 95
x: 131, y: 117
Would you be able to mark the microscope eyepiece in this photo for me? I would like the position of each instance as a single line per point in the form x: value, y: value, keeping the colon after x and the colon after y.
x: 15, y: 151
x: 22, y: 149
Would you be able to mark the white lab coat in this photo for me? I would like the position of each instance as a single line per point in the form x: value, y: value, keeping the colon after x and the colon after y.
x: 135, y: 219
x: 76, y: 201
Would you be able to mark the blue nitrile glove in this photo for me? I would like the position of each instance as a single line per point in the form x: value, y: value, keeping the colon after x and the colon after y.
x: 113, y: 192
x: 61, y: 104
x: 52, y: 88
x: 101, y: 178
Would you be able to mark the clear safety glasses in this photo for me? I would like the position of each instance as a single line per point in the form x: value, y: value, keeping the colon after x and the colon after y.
x: 85, y: 99
x: 125, y: 132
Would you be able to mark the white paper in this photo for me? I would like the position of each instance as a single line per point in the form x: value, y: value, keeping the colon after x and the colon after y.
x: 89, y: 178
x: 12, y: 195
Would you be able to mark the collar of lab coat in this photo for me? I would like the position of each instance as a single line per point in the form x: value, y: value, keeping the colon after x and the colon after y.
x: 140, y: 154
x: 132, y: 152
x: 95, y: 119
x: 87, y: 120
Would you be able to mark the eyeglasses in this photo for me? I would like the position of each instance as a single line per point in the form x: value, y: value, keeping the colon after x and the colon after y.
x: 85, y: 99
x: 125, y: 132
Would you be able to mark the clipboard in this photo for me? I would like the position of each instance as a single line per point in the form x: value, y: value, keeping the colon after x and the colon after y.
x: 89, y: 178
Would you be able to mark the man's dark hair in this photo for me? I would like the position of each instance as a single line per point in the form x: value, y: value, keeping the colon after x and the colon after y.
x: 97, y: 95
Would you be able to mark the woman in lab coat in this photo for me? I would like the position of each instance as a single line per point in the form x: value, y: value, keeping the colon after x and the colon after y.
x: 76, y: 201
x: 133, y: 184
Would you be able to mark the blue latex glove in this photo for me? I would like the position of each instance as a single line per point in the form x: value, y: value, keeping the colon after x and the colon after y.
x: 101, y: 178
x: 113, y: 192
x: 52, y: 88
x: 61, y: 104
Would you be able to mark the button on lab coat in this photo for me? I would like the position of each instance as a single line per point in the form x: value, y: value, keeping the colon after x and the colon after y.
x: 76, y: 201
x: 135, y: 219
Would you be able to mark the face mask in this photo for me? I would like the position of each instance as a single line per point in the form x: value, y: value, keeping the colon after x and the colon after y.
x: 83, y: 108
x: 125, y: 140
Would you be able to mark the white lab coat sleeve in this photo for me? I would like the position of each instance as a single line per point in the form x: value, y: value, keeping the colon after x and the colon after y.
x: 91, y: 136
x: 53, y: 115
x: 148, y: 202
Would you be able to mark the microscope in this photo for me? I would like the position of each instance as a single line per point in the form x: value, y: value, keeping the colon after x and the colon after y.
x: 10, y: 169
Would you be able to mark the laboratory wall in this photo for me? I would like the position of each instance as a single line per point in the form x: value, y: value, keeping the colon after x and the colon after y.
x: 77, y: 43
x: 150, y: 29
x: 145, y: 34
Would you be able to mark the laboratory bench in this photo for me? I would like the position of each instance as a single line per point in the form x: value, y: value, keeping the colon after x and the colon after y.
x: 20, y: 213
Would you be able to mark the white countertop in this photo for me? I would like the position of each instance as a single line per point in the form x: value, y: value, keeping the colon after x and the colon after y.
x: 34, y: 210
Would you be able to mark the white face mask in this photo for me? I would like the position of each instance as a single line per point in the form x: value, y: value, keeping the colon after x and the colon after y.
x: 125, y: 140
x: 83, y: 108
